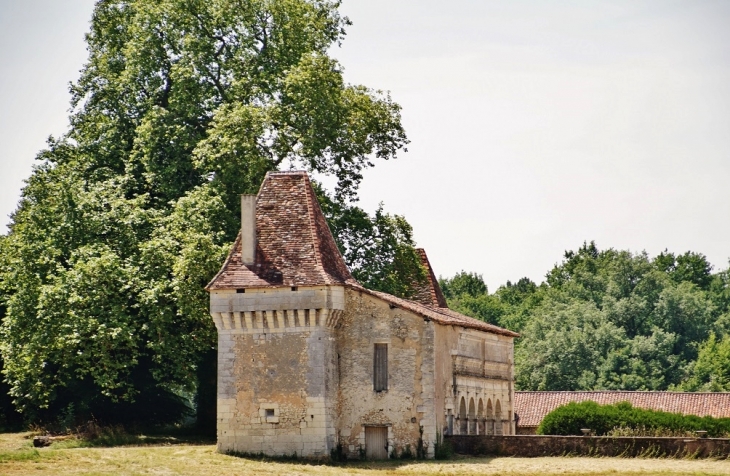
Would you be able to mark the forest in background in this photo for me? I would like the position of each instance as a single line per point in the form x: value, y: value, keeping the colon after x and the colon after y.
x: 611, y: 320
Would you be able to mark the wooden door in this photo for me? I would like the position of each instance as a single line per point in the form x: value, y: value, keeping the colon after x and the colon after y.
x: 376, y: 442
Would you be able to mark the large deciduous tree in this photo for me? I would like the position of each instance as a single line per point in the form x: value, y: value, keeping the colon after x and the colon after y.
x: 182, y: 106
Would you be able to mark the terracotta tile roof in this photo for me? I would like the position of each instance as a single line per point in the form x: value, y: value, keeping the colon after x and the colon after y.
x: 430, y: 292
x: 533, y: 406
x: 294, y: 244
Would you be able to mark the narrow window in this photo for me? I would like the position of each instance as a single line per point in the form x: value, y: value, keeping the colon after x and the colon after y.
x: 380, y: 368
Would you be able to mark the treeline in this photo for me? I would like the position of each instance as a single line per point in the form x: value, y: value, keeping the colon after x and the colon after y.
x: 612, y: 320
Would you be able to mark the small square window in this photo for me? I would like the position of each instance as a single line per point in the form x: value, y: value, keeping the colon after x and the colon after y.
x: 269, y: 412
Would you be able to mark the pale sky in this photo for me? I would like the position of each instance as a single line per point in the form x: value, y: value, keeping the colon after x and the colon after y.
x: 534, y: 125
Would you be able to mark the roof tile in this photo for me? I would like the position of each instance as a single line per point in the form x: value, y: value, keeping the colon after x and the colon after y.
x: 294, y: 245
x: 533, y: 406
x: 429, y: 293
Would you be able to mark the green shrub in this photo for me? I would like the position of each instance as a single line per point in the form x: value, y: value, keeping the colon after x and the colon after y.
x: 442, y: 449
x: 338, y: 453
x: 604, y: 419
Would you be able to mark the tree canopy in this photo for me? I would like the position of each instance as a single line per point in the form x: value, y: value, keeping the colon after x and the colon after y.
x: 611, y: 320
x: 182, y: 106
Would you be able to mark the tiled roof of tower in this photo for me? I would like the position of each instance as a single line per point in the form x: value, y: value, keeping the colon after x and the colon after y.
x: 294, y: 245
x: 533, y: 406
x: 429, y: 293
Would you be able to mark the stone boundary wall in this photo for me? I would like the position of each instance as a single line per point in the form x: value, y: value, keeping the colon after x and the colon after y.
x: 539, y: 445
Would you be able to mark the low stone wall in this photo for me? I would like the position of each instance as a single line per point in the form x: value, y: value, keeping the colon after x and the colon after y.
x: 539, y: 445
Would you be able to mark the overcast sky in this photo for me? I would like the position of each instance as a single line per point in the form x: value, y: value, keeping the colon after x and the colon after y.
x: 534, y: 125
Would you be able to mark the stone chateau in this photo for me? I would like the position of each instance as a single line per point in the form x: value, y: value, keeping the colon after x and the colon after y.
x: 309, y: 359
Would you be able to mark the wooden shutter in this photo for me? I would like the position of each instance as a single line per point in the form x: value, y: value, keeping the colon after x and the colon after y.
x: 380, y: 368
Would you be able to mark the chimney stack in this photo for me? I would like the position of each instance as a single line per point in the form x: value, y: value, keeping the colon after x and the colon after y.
x: 248, y: 229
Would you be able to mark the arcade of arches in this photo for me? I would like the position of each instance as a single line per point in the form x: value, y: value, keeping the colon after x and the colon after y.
x: 481, y: 388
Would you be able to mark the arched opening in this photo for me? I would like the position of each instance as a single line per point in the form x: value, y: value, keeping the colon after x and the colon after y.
x: 472, y: 418
x: 480, y: 418
x: 462, y: 417
x: 498, y: 418
x: 490, y: 418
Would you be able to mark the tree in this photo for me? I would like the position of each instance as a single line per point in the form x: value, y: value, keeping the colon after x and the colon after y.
x: 471, y: 284
x: 654, y: 312
x: 182, y: 106
x: 563, y: 345
x: 379, y: 250
x: 711, y: 371
x: 467, y: 293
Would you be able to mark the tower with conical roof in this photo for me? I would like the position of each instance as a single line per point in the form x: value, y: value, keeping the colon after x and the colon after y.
x: 275, y: 304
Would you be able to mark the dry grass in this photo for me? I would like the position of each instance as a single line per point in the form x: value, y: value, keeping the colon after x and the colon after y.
x: 17, y: 457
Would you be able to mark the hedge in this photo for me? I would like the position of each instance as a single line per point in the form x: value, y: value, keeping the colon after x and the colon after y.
x: 601, y: 419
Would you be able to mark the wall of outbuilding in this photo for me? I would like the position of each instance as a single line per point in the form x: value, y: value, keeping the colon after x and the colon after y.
x: 474, y: 366
x: 407, y: 407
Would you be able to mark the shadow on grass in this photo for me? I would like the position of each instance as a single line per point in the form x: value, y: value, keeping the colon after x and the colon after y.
x: 108, y: 437
x: 354, y: 463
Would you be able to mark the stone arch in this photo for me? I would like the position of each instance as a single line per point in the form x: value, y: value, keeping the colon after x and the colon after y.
x: 472, y: 418
x: 490, y: 418
x: 498, y: 418
x: 462, y: 417
x: 480, y: 417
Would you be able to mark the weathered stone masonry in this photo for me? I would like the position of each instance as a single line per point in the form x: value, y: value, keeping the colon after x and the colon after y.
x: 277, y: 354
x: 409, y: 401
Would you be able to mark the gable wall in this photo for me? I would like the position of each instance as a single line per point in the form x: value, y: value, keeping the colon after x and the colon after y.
x: 409, y: 401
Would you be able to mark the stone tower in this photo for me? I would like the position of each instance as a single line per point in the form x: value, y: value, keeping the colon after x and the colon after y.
x: 275, y: 304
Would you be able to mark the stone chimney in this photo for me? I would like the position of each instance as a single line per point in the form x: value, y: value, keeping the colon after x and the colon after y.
x: 248, y: 229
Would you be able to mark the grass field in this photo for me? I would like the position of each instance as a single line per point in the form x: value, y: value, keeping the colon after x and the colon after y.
x: 18, y: 457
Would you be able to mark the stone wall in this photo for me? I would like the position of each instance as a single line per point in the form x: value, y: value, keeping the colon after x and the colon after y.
x: 474, y: 379
x: 277, y: 369
x: 537, y: 445
x: 408, y: 402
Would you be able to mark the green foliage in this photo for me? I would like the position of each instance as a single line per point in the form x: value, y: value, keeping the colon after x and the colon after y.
x: 471, y: 284
x: 442, y: 449
x: 711, y: 371
x: 603, y: 419
x: 181, y: 107
x: 380, y: 249
x: 467, y: 293
x: 608, y: 319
